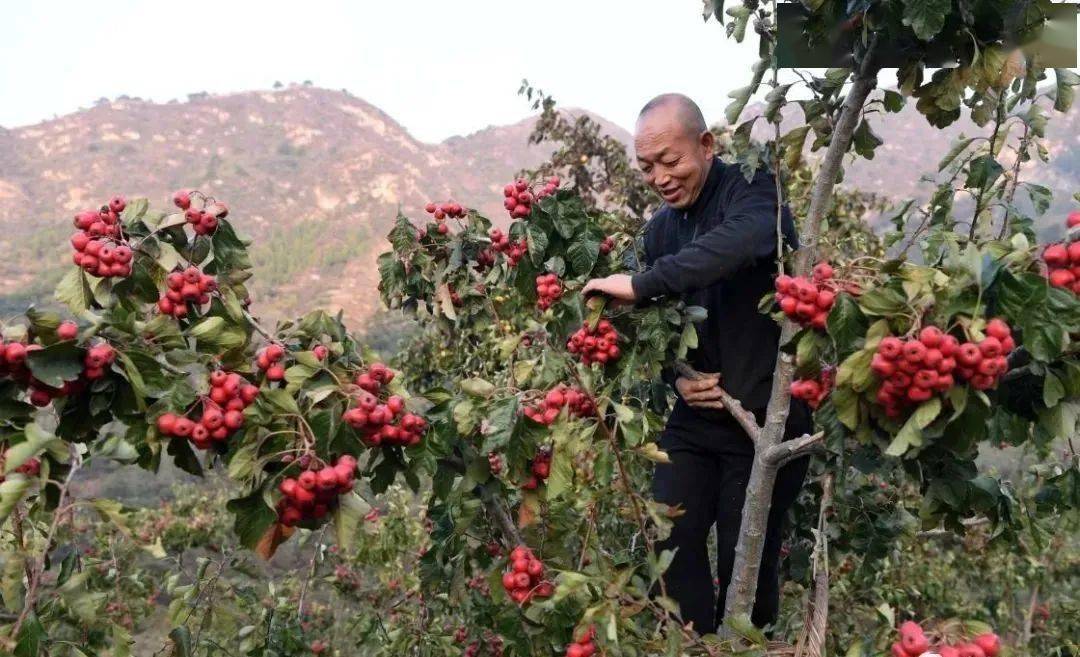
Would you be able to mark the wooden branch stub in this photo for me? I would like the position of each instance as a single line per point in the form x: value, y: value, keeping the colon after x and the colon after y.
x: 789, y: 450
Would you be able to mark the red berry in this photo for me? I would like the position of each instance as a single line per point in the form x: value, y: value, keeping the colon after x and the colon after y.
x: 914, y: 351
x: 182, y: 199
x: 931, y: 336
x: 823, y: 271
x: 67, y: 331
x: 233, y: 420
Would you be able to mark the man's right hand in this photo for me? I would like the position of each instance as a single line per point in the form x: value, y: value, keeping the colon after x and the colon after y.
x: 701, y: 393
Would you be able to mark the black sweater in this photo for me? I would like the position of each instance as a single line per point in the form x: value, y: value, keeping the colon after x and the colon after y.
x: 720, y: 254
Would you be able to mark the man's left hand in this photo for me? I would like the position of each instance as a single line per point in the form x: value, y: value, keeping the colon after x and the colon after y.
x: 616, y: 286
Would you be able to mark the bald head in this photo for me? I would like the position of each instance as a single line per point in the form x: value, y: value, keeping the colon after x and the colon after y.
x: 674, y: 148
x: 676, y: 109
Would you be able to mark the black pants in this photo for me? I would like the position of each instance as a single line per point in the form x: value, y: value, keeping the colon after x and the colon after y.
x: 711, y: 487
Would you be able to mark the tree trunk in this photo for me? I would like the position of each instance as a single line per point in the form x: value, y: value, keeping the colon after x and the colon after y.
x: 755, y: 515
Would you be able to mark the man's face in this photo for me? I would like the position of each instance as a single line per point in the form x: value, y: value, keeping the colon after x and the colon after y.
x: 674, y: 161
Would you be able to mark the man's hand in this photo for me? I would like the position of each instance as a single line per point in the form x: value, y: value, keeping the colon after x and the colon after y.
x: 616, y: 286
x: 701, y: 393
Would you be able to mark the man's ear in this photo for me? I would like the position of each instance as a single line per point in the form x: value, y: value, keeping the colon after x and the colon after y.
x: 708, y: 141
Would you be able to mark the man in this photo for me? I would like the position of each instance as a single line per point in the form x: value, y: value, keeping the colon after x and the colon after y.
x: 712, y: 243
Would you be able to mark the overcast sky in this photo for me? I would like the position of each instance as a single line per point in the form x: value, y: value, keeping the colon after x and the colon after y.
x: 440, y: 68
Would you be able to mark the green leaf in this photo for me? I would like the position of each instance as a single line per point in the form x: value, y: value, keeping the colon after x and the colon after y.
x: 865, y: 141
x: 846, y: 323
x: 926, y: 17
x: 1063, y: 91
x: 181, y: 640
x: 56, y: 363
x: 252, y: 518
x: 37, y: 441
x: 741, y: 625
x: 882, y: 301
x: 134, y: 377
x: 982, y: 172
x: 847, y: 406
x: 206, y: 328
x: 12, y: 490
x: 31, y: 637
x: 714, y: 8
x: 477, y: 387
x: 350, y: 511
x: 910, y: 434
x: 583, y: 252
x: 1053, y: 390
x: 502, y: 420
x: 958, y: 146
x: 73, y: 291
x: 1041, y: 197
x: 538, y: 243
x: 280, y: 399
x: 893, y: 101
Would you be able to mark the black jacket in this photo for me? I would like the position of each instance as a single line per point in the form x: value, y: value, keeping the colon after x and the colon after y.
x: 720, y: 254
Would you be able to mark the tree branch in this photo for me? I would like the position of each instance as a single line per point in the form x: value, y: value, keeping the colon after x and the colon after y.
x: 34, y: 583
x: 744, y: 417
x: 501, y: 515
x: 742, y: 589
x: 789, y: 450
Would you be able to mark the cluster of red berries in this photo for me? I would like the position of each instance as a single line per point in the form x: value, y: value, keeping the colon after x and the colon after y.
x: 913, y: 370
x: 805, y: 301
x: 97, y: 359
x: 584, y: 645
x: 607, y: 245
x: 269, y: 360
x: 184, y: 287
x: 205, y: 220
x: 495, y: 463
x: 547, y: 410
x: 597, y: 345
x: 98, y: 244
x: 13, y: 364
x: 551, y: 185
x: 222, y: 412
x: 382, y: 423
x: 914, y: 643
x: 1063, y: 265
x: 318, y: 646
x: 440, y: 211
x: 31, y: 467
x: 539, y: 469
x: 814, y: 391
x: 500, y: 243
x: 493, y: 642
x: 524, y: 580
x: 313, y: 493
x: 518, y: 199
x: 549, y: 289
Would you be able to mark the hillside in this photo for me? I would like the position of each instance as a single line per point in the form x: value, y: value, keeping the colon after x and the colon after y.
x: 316, y: 177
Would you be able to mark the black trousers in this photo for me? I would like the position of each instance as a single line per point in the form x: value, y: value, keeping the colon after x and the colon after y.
x: 710, y: 487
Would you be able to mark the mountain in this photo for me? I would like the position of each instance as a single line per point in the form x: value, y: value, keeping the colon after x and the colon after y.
x: 314, y: 176
x: 912, y: 148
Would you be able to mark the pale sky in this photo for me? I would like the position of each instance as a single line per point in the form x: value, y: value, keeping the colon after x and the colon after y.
x: 440, y: 68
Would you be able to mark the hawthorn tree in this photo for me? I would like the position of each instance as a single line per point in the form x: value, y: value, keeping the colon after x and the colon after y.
x: 980, y: 277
